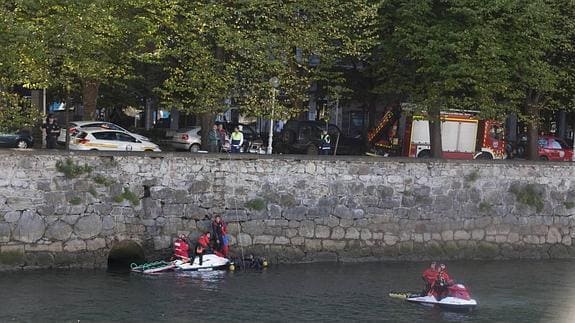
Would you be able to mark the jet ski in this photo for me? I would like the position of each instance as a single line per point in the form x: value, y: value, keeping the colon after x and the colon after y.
x: 458, y: 298
x: 209, y: 262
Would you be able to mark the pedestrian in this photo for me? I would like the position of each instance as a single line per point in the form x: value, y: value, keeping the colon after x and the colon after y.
x: 325, y: 143
x: 52, y: 131
x: 220, y: 231
x: 222, y: 139
x: 213, y: 139
x: 237, y: 140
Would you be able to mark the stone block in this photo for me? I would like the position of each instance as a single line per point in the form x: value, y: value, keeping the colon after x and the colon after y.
x: 390, y: 239
x: 297, y: 241
x: 244, y: 240
x: 295, y: 213
x: 5, y: 232
x: 263, y: 239
x: 75, y: 245
x: 531, y: 239
x: 281, y: 240
x: 461, y: 235
x: 29, y: 228
x: 478, y: 234
x: 447, y: 235
x: 95, y: 244
x: 307, y: 229
x: 513, y: 237
x: 333, y: 245
x: 351, y: 233
x: 88, y: 226
x: 58, y: 231
x: 12, y: 216
x: 377, y: 235
x: 554, y: 236
x: 312, y: 245
x: 322, y: 231
x: 338, y: 233
x: 253, y: 227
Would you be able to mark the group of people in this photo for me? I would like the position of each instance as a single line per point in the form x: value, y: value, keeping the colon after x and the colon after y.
x: 205, y: 244
x: 436, y: 280
x: 218, y: 137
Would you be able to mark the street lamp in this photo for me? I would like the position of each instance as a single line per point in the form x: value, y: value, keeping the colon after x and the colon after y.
x: 274, y: 82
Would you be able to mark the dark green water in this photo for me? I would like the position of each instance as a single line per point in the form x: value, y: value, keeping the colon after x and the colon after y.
x: 536, y: 291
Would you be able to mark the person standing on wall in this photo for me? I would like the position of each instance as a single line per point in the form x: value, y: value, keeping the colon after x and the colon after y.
x: 325, y: 143
x: 220, y: 230
x: 52, y: 131
x: 213, y: 139
x: 237, y: 140
x: 223, y: 136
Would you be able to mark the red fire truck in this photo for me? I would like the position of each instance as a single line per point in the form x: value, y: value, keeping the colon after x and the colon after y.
x: 463, y: 136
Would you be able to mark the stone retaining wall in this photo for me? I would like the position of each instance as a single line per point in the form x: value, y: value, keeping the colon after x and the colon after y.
x: 290, y: 209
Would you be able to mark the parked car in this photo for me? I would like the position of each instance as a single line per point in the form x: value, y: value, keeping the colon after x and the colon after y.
x: 103, y: 139
x: 303, y: 137
x: 18, y: 139
x: 188, y: 139
x: 75, y: 127
x: 549, y: 148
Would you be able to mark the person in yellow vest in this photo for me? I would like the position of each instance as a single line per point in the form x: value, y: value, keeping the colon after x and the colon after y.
x: 237, y: 140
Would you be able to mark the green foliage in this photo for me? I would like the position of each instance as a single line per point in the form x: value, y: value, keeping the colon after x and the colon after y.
x: 529, y: 194
x: 128, y: 196
x: 569, y: 204
x: 71, y: 169
x: 103, y: 180
x: 17, y: 113
x: 257, y: 204
x: 93, y: 191
x: 75, y: 200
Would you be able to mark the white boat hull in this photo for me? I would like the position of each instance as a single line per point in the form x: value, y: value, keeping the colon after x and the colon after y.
x: 447, y: 302
x: 209, y: 262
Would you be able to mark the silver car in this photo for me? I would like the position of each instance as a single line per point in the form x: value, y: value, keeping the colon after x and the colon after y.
x: 188, y: 139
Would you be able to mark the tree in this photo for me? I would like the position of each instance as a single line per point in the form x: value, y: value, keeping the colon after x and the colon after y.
x: 442, y: 54
x: 222, y: 53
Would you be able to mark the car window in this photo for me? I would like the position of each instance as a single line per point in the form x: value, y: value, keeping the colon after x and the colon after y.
x: 82, y: 135
x: 125, y: 137
x: 542, y: 142
x: 105, y: 135
x: 555, y: 144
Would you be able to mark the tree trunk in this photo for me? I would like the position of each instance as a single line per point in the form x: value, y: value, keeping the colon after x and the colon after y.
x: 206, y: 121
x: 90, y: 90
x: 532, y: 109
x: 435, y: 133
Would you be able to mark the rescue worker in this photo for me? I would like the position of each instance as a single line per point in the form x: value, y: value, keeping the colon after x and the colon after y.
x: 202, y: 247
x: 52, y: 131
x: 182, y: 248
x: 429, y: 276
x: 325, y: 143
x: 442, y: 282
x: 237, y: 140
x: 220, y: 231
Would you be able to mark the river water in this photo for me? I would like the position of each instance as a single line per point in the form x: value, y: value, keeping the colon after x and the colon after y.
x: 507, y: 291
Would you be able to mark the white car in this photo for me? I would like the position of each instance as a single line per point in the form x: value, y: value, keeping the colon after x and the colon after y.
x: 76, y: 126
x: 103, y: 139
x: 187, y: 139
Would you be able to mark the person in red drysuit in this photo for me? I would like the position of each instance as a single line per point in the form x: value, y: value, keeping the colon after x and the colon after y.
x: 220, y: 231
x: 182, y: 248
x: 203, y: 246
x: 429, y: 276
x: 443, y: 281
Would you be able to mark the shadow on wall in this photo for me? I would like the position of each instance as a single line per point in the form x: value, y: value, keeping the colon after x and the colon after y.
x: 123, y: 254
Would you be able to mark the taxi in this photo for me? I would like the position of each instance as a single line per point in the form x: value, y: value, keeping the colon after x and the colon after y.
x: 105, y: 139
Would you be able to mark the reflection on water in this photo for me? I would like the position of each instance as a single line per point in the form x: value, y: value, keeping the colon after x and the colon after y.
x: 524, y: 291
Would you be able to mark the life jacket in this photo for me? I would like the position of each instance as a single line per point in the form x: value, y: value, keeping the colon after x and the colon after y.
x: 204, y: 241
x: 237, y: 138
x: 181, y: 248
x: 430, y: 275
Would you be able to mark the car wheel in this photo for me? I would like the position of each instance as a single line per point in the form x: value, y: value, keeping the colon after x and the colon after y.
x: 484, y: 156
x: 543, y: 158
x: 194, y: 148
x: 424, y: 154
x: 312, y: 150
x: 22, y: 144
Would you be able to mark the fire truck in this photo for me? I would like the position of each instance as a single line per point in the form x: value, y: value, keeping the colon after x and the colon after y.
x: 463, y: 136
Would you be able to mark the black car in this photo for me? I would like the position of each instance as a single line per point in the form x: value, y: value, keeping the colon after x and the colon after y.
x: 19, y: 139
x: 303, y: 137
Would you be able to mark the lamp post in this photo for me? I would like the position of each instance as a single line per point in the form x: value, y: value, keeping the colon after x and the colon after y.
x: 274, y: 82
